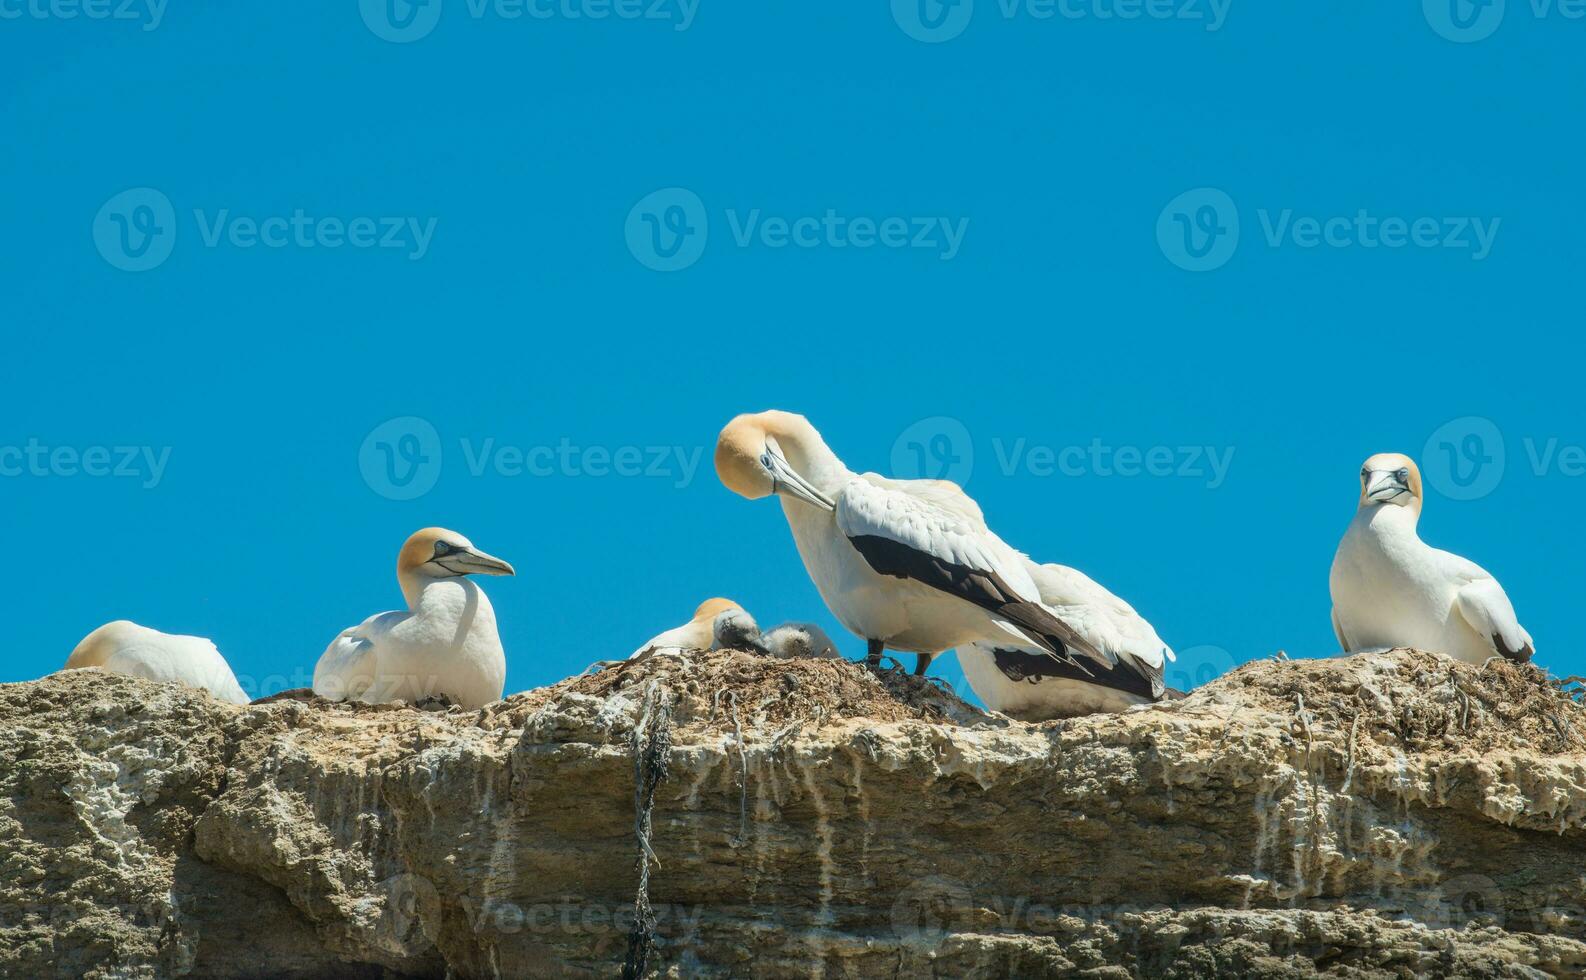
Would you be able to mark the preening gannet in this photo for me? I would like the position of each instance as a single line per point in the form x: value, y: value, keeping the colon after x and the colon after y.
x: 445, y: 643
x: 137, y: 651
x: 906, y: 564
x: 1029, y: 685
x: 699, y: 633
x: 1392, y: 590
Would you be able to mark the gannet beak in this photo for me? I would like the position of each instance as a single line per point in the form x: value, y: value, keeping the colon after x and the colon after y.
x: 471, y: 561
x: 784, y: 478
x: 1386, y: 488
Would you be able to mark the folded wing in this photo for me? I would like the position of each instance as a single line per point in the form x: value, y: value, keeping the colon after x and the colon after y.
x: 929, y: 532
x: 1487, y: 609
x: 351, y: 663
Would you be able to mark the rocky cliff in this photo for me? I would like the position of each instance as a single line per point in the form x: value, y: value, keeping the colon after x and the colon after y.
x: 1392, y: 815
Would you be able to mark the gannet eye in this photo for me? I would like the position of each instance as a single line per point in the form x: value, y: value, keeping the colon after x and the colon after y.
x: 442, y: 548
x: 765, y: 460
x: 1403, y: 475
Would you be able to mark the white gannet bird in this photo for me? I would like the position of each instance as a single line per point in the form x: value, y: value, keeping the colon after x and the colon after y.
x: 906, y: 564
x: 123, y: 647
x: 1029, y: 685
x: 445, y: 643
x: 735, y: 629
x: 698, y: 633
x: 1392, y: 590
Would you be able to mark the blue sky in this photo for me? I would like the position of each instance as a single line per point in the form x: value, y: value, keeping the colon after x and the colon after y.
x: 1066, y: 255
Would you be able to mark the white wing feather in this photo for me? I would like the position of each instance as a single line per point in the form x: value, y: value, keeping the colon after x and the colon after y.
x: 352, y: 661
x: 1489, y: 612
x: 934, y: 517
x: 1106, y: 621
x: 937, y: 519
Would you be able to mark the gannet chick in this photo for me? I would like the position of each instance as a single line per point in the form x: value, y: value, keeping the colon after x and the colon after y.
x: 1025, y: 684
x: 736, y: 630
x: 908, y: 565
x: 696, y: 634
x: 445, y: 643
x: 123, y: 647
x: 800, y: 641
x: 1392, y: 590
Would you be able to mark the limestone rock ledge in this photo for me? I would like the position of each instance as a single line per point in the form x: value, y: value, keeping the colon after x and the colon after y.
x: 1385, y: 815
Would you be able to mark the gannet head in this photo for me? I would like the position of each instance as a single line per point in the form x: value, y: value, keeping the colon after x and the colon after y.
x: 735, y: 629
x: 97, y: 646
x: 1390, y: 479
x: 769, y: 452
x: 711, y: 608
x: 437, y: 553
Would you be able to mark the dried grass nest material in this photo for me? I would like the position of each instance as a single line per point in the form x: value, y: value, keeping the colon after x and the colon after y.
x: 764, y: 692
x: 1414, y: 701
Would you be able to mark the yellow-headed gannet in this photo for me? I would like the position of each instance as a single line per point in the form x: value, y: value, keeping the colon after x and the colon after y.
x: 137, y: 651
x: 1392, y: 590
x: 445, y: 643
x: 1027, y: 684
x: 697, y: 634
x: 905, y: 564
